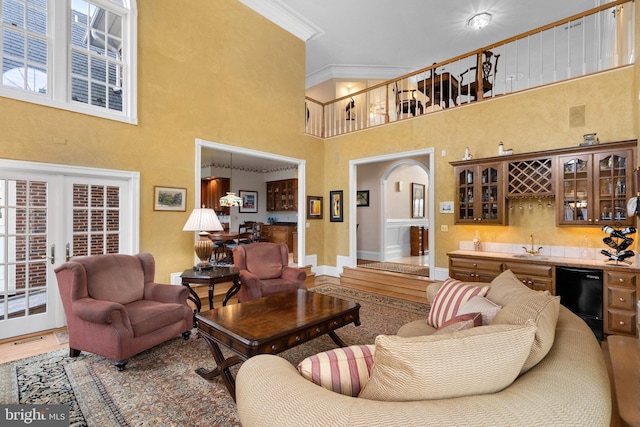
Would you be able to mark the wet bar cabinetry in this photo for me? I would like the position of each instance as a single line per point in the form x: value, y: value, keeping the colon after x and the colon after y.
x: 591, y: 184
x: 595, y: 186
x: 620, y: 302
x: 619, y: 287
x: 480, y: 196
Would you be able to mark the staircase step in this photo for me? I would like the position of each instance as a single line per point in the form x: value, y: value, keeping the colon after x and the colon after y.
x: 390, y: 283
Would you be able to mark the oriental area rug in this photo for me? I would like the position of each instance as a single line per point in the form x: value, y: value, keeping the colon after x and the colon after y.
x: 159, y: 387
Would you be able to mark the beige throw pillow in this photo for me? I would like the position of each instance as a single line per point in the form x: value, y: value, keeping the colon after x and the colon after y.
x: 482, y: 305
x: 474, y: 361
x: 542, y: 309
x: 507, y: 287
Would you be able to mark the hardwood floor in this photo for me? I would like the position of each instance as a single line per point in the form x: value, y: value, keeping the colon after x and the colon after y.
x: 29, y: 345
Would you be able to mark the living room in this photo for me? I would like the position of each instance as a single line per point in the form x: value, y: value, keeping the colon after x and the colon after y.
x: 221, y: 72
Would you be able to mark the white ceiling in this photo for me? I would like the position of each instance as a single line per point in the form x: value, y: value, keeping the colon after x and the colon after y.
x: 383, y: 39
x: 356, y: 42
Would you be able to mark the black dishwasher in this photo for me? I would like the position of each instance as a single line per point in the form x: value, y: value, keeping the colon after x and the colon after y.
x: 580, y: 290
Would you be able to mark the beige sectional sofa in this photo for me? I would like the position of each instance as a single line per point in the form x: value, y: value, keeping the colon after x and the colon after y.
x: 568, y: 387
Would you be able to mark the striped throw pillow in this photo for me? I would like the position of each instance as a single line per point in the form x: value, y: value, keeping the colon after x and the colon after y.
x: 452, y: 295
x: 342, y: 370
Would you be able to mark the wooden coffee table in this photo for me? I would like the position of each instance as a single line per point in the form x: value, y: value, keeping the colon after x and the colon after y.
x: 271, y: 325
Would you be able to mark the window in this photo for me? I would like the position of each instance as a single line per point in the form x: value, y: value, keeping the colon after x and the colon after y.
x: 78, y: 55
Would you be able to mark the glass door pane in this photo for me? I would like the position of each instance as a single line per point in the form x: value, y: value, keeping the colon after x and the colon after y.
x: 24, y: 216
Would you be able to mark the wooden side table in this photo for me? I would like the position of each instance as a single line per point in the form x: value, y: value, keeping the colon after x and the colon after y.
x: 625, y: 358
x: 210, y: 277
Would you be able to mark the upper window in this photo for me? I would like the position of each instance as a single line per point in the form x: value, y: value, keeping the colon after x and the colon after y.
x: 77, y: 55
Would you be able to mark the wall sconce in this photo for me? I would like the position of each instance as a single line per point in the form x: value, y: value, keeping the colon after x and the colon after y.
x: 399, y: 185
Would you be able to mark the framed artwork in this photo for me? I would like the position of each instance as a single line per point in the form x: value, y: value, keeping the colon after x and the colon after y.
x: 314, y: 207
x: 417, y: 200
x: 362, y: 198
x: 249, y: 201
x: 446, y: 207
x: 336, y: 206
x: 169, y: 199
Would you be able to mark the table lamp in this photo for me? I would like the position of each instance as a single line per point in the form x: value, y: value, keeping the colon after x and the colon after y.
x: 203, y: 220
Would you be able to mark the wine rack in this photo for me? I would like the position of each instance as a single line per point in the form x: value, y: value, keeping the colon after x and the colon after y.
x: 530, y: 178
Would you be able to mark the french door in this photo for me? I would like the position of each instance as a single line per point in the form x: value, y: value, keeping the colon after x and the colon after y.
x: 48, y: 217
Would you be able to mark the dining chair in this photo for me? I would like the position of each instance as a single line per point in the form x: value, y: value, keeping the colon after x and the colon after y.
x: 489, y: 70
x: 406, y: 102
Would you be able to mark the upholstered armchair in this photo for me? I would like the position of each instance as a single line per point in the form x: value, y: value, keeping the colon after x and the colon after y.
x: 114, y: 308
x: 264, y: 270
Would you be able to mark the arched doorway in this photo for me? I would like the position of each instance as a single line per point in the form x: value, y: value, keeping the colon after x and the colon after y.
x: 381, y: 174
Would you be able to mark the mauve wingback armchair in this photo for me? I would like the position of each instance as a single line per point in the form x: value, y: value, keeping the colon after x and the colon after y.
x: 264, y: 270
x: 116, y: 310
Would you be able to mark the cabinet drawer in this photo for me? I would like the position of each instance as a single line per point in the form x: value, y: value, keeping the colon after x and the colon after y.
x: 471, y: 264
x: 621, y: 279
x: 537, y: 283
x: 620, y: 321
x: 521, y: 268
x: 622, y: 298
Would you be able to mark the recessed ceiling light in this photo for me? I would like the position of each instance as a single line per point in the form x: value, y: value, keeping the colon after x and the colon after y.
x: 479, y: 20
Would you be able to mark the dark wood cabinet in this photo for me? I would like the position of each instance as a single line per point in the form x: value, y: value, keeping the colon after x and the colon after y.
x: 211, y: 190
x: 419, y: 240
x: 480, y: 194
x: 279, y: 234
x: 620, y: 303
x: 594, y: 188
x: 620, y: 294
x: 591, y: 184
x: 282, y: 195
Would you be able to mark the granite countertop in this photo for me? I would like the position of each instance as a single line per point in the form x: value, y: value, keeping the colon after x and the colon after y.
x: 547, y: 260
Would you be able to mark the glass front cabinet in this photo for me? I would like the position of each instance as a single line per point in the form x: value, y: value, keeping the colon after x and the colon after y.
x: 594, y: 188
x: 480, y: 197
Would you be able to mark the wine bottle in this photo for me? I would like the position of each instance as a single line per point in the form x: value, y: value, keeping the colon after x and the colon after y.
x: 628, y: 230
x: 624, y: 245
x: 612, y: 232
x: 610, y: 242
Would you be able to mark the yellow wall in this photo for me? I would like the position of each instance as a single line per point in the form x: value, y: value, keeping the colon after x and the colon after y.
x: 213, y: 70
x: 531, y: 121
x: 218, y: 71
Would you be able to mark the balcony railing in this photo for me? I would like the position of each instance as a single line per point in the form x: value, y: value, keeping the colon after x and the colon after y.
x: 599, y: 39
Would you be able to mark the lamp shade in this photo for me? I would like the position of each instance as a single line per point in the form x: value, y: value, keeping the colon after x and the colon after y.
x: 203, y: 219
x: 231, y: 200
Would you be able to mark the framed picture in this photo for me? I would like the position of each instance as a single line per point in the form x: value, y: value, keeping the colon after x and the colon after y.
x: 362, y: 198
x: 314, y: 207
x: 417, y: 200
x: 336, y: 205
x: 249, y: 201
x: 169, y: 199
x: 446, y: 207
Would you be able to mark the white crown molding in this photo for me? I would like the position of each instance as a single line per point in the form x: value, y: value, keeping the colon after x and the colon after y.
x: 335, y: 71
x: 286, y: 18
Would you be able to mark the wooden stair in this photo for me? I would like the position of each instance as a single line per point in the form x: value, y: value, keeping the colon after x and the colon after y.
x: 399, y: 285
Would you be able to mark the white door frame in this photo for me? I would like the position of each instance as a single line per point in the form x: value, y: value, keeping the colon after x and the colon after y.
x: 353, y: 187
x: 60, y: 232
x: 302, y: 196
